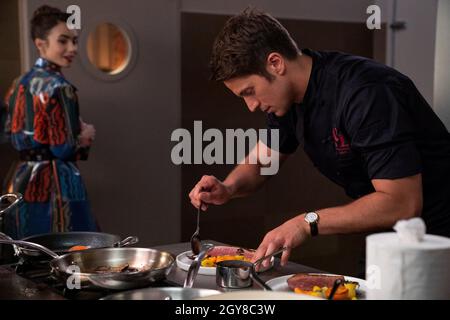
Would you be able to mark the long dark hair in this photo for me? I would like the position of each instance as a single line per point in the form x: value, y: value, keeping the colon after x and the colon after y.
x: 44, y: 19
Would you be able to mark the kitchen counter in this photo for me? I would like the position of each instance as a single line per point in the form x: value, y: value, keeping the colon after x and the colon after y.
x: 15, y: 287
x: 209, y: 282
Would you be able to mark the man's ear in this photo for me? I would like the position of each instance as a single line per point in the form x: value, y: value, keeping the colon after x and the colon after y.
x: 276, y: 63
x: 41, y: 45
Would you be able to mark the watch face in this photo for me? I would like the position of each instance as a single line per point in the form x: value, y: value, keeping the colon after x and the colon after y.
x: 311, y: 217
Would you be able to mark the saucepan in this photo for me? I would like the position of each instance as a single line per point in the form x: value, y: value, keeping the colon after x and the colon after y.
x: 106, y: 268
x: 62, y: 242
x: 238, y: 274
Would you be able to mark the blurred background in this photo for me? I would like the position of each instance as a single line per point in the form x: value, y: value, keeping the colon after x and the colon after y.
x: 142, y: 72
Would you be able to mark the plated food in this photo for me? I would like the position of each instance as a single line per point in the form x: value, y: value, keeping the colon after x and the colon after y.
x: 78, y: 248
x: 319, y: 285
x: 222, y: 253
x: 215, y: 255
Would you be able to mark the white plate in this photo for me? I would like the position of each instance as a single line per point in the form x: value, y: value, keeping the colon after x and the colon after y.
x: 259, y: 295
x: 183, y: 262
x: 280, y: 284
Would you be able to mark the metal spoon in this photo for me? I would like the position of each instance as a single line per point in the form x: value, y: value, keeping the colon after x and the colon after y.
x: 196, y: 243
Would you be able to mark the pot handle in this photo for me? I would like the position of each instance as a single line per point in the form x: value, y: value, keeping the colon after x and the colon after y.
x: 6, y: 237
x: 258, y: 280
x: 195, y: 265
x: 32, y: 245
x: 128, y: 241
x: 17, y: 198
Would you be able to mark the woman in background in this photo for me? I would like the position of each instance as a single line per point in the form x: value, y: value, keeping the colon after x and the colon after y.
x: 46, y: 129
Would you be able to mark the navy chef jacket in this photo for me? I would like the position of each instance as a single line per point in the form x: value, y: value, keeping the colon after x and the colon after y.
x: 361, y: 120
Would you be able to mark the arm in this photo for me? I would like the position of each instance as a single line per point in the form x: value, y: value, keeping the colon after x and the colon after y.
x: 66, y: 132
x: 245, y: 179
x: 392, y: 200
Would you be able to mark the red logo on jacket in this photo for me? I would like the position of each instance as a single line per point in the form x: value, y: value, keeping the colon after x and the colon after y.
x: 342, y: 146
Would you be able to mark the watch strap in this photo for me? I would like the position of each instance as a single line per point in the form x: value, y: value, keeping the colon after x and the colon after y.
x: 314, y: 229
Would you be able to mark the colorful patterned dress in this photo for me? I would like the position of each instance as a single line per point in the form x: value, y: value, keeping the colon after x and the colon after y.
x: 43, y: 123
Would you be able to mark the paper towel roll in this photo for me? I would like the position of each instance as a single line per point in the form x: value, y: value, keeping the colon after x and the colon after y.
x: 395, y: 270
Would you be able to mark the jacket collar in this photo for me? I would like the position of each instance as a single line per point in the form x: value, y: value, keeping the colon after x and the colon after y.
x: 47, y: 65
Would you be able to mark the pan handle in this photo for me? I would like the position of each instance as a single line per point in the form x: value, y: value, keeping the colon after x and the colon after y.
x: 128, y: 241
x: 6, y: 237
x: 258, y: 280
x: 32, y: 245
x: 195, y: 265
x: 17, y: 198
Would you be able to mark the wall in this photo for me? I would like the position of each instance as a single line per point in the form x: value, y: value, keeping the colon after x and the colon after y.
x: 143, y: 196
x: 9, y: 67
x: 132, y: 184
x: 10, y: 48
x: 299, y: 186
x: 442, y: 63
x: 325, y: 10
x: 411, y: 50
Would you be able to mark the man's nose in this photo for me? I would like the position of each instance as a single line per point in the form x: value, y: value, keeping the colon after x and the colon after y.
x: 252, y: 104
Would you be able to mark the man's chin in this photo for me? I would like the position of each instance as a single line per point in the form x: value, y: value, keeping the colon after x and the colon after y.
x: 279, y: 113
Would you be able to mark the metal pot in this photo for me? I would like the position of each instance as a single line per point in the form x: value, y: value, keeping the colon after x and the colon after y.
x: 237, y: 274
x: 79, y: 269
x: 61, y: 242
x: 17, y: 198
x: 172, y: 293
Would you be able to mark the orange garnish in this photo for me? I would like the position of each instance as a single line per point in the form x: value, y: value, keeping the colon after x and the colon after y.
x: 78, y: 248
x: 341, y: 293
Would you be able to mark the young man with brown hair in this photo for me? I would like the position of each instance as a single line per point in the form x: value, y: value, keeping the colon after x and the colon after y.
x: 364, y: 125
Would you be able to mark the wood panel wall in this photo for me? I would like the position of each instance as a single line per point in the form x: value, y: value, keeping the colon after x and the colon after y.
x: 298, y: 187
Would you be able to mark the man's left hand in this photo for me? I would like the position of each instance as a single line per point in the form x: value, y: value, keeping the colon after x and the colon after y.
x: 290, y: 234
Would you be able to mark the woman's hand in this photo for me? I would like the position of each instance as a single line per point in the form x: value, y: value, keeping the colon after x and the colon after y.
x: 87, y: 134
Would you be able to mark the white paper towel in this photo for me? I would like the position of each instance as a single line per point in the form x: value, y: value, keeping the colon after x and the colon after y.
x: 398, y: 269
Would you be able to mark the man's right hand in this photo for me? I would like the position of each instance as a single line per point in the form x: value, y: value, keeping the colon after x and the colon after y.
x: 209, y: 190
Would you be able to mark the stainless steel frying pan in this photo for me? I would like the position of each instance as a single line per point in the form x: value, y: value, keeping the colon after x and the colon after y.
x: 62, y: 242
x: 16, y: 199
x: 107, y: 268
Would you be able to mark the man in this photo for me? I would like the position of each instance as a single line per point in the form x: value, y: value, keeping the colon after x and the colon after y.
x: 364, y: 125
